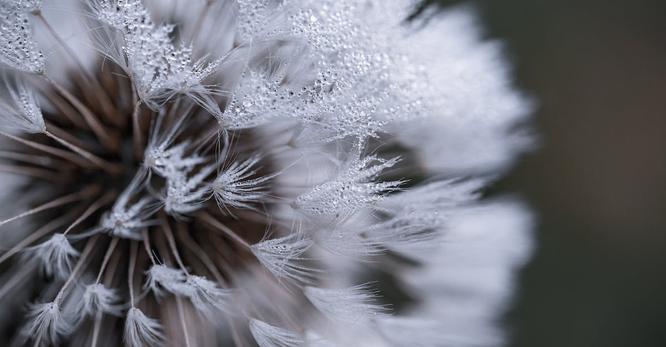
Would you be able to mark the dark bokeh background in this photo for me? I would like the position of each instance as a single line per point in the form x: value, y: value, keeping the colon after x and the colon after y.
x: 598, y: 183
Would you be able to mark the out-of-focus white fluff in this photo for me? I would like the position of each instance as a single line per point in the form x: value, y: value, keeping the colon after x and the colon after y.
x: 472, y: 102
x: 267, y: 335
x: 465, y: 285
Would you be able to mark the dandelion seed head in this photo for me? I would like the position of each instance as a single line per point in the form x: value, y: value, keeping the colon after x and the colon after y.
x: 222, y: 172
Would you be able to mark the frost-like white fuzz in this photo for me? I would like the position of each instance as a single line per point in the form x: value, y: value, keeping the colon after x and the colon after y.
x: 18, y: 48
x: 206, y: 296
x: 416, y: 218
x: 254, y: 17
x: 267, y: 335
x: 141, y: 331
x: 351, y: 190
x: 29, y: 5
x: 163, y: 277
x: 56, y: 255
x: 255, y: 101
x: 186, y: 194
x: 283, y: 256
x: 126, y: 218
x: 233, y: 186
x: 98, y: 298
x: 18, y: 106
x: 170, y: 161
x: 354, y: 305
x: 159, y: 69
x: 46, y: 323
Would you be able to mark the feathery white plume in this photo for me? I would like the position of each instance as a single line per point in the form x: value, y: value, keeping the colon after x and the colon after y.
x: 18, y: 48
x: 46, y: 323
x: 159, y: 70
x: 18, y: 106
x: 267, y: 335
x: 353, y: 305
x: 282, y: 256
x: 416, y: 218
x: 56, y: 255
x: 126, y: 218
x: 351, y: 190
x: 186, y: 194
x: 163, y: 277
x: 234, y: 186
x: 98, y: 298
x: 255, y: 101
x: 141, y: 330
x: 168, y: 161
x: 205, y: 295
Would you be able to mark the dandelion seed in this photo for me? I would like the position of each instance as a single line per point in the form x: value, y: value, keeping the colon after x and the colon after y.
x: 98, y: 298
x: 56, y: 256
x: 267, y: 335
x: 353, y: 305
x: 350, y: 190
x: 235, y: 186
x: 281, y: 257
x: 159, y: 69
x: 19, y: 108
x: 141, y: 330
x: 186, y: 194
x: 163, y: 277
x: 47, y: 323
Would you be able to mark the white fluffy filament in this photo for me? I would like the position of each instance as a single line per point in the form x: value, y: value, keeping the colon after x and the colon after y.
x: 282, y: 257
x: 234, y: 186
x: 56, y: 255
x: 47, y: 323
x: 354, y: 305
x: 99, y: 299
x: 267, y: 335
x: 141, y: 331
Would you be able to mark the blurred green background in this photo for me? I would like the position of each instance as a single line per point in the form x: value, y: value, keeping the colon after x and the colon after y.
x: 598, y: 181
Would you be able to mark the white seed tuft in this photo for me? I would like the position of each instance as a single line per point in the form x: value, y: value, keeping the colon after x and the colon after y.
x: 126, y: 219
x: 141, y: 331
x: 267, y: 335
x: 354, y: 305
x: 56, y: 255
x: 204, y: 294
x: 18, y: 106
x: 283, y: 257
x: 159, y: 70
x: 162, y: 277
x: 98, y: 298
x: 46, y: 324
x: 186, y: 194
x: 234, y: 187
x: 351, y: 190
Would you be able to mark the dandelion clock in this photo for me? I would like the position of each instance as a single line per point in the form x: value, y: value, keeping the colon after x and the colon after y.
x: 254, y: 173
